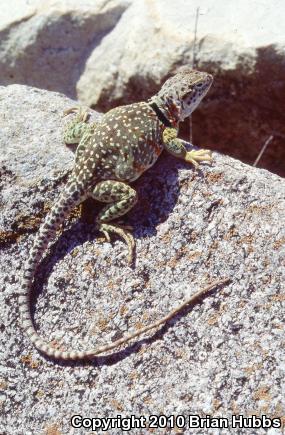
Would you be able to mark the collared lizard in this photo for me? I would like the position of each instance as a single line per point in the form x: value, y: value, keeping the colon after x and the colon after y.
x: 109, y: 156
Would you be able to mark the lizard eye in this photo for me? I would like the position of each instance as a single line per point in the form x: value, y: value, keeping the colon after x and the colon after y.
x: 199, y: 85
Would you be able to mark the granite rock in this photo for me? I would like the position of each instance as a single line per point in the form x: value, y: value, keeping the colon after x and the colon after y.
x: 221, y: 357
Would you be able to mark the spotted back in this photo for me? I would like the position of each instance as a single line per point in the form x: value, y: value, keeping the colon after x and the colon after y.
x: 127, y: 142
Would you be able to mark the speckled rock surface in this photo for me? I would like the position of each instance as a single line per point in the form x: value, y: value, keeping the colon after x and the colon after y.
x: 222, y: 357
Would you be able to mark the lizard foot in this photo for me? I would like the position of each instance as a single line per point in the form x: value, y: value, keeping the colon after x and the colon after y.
x: 106, y: 229
x: 82, y: 114
x: 195, y: 157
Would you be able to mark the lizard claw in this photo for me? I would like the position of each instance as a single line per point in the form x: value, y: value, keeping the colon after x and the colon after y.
x: 195, y: 157
x: 120, y: 231
x: 82, y: 114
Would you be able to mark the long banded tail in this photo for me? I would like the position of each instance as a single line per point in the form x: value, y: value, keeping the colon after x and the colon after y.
x: 71, y: 196
x: 46, y: 233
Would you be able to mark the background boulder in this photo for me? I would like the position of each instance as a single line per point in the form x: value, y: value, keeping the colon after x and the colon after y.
x: 120, y: 51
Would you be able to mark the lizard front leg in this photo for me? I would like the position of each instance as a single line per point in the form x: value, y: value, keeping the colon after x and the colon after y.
x: 120, y: 198
x: 75, y: 129
x: 78, y: 131
x: 176, y: 147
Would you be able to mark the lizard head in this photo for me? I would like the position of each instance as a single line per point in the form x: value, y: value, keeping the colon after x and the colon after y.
x: 182, y: 93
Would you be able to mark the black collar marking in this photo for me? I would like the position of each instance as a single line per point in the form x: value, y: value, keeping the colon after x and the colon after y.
x: 160, y: 115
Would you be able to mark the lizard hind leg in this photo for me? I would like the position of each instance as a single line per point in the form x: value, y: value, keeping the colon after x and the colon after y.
x: 120, y: 198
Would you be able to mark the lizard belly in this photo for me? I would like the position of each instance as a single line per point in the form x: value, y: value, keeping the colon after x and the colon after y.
x: 148, y: 154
